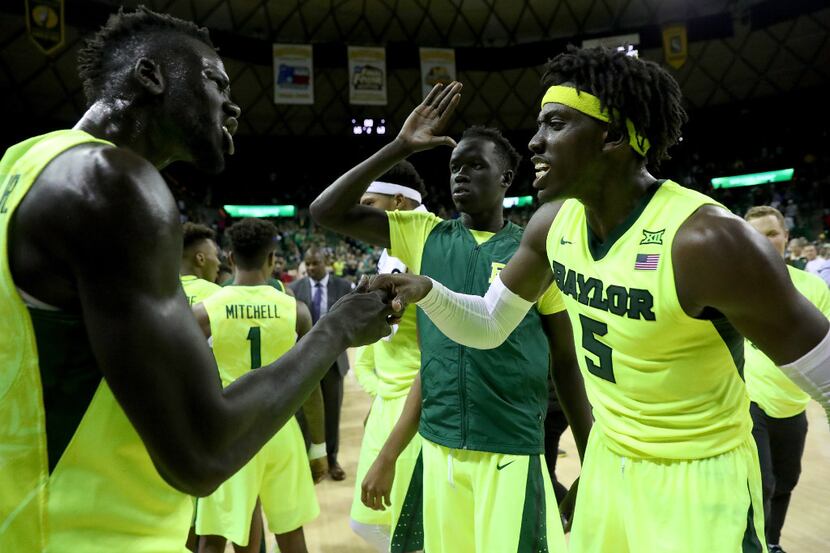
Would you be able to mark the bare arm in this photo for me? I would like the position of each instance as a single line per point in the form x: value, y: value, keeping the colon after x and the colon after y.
x: 313, y: 409
x: 148, y: 345
x: 722, y: 263
x: 338, y: 207
x: 570, y: 388
x: 377, y: 484
x: 202, y: 318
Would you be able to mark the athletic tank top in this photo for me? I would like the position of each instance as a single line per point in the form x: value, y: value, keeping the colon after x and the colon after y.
x: 197, y: 289
x: 662, y: 384
x: 75, y: 475
x: 251, y: 326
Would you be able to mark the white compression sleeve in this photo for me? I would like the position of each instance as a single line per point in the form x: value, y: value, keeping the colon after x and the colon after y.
x: 473, y: 321
x: 812, y: 373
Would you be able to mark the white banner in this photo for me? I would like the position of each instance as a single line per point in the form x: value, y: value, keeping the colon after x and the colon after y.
x: 293, y: 74
x: 437, y: 66
x: 367, y: 76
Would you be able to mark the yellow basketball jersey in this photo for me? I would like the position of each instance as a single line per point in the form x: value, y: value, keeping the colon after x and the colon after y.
x: 662, y: 384
x: 770, y: 388
x: 103, y: 493
x: 251, y: 326
x: 197, y: 289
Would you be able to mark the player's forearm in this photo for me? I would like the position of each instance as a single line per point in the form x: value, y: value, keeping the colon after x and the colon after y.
x: 314, y: 413
x: 811, y: 373
x: 407, y: 425
x: 330, y: 208
x: 475, y: 321
x: 570, y: 390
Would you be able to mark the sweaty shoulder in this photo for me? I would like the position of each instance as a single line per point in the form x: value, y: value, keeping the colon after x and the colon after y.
x: 536, y: 232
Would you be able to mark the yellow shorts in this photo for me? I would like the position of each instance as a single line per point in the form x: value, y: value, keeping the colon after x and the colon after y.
x: 668, y: 506
x: 479, y: 502
x: 279, y: 475
x: 382, y: 418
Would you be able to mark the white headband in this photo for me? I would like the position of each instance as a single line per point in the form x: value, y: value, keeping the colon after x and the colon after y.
x: 380, y: 187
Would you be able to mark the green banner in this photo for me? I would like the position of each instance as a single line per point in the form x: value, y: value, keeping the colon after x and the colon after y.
x: 751, y: 179
x: 517, y: 201
x: 261, y: 210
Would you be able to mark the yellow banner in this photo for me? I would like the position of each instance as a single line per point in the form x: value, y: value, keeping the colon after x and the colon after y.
x: 44, y: 21
x: 675, y: 45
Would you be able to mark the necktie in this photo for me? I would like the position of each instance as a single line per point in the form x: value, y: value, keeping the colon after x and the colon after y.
x: 316, y: 302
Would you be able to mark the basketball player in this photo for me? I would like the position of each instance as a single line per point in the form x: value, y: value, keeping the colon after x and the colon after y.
x: 660, y: 283
x: 482, y: 413
x: 778, y: 405
x: 252, y: 323
x: 386, y: 370
x: 112, y: 408
x: 200, y: 262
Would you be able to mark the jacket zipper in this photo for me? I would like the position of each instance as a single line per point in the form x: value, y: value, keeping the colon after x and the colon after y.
x: 461, y: 350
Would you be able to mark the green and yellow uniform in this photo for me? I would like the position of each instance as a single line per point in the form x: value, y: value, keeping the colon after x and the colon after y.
x: 75, y: 474
x: 197, y: 289
x: 252, y: 326
x: 670, y: 465
x: 770, y: 388
x: 482, y: 418
x: 386, y: 370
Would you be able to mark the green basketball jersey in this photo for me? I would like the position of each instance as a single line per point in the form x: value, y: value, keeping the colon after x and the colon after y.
x: 197, y: 289
x: 251, y: 326
x: 74, y: 476
x: 662, y: 384
x: 770, y: 388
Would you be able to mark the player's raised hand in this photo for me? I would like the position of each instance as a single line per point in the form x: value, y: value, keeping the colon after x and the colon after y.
x: 402, y: 288
x: 424, y: 128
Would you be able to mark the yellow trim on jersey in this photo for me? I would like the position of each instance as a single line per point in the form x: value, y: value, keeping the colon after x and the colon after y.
x: 590, y: 105
x: 771, y: 389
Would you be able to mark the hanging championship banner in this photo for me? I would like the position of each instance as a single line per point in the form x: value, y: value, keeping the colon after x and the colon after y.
x: 675, y: 45
x: 367, y: 76
x: 293, y: 74
x: 437, y: 66
x: 44, y: 21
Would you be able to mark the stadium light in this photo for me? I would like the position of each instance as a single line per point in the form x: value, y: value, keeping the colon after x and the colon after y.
x: 751, y: 179
x: 261, y: 210
x: 517, y: 201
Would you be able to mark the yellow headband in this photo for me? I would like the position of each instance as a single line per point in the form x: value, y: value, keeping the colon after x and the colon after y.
x: 590, y: 105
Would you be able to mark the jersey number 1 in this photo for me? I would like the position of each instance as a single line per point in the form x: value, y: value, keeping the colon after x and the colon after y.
x: 256, y: 347
x: 592, y: 328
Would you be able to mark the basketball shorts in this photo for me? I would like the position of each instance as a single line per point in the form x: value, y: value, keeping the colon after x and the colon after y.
x: 279, y: 475
x: 630, y: 505
x: 480, y: 502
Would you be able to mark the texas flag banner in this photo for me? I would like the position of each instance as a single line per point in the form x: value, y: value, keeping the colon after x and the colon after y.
x: 646, y: 262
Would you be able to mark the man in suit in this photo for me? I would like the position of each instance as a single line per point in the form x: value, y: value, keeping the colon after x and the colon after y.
x: 320, y: 290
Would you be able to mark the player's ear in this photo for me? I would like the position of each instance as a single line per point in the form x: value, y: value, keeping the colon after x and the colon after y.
x: 507, y: 179
x: 614, y: 138
x: 200, y: 258
x: 400, y: 201
x: 148, y: 74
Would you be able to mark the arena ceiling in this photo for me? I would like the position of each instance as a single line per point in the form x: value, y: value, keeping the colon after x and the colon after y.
x: 738, y: 50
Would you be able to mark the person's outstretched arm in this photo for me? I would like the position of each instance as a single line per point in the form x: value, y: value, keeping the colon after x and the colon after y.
x: 145, y: 339
x: 338, y: 206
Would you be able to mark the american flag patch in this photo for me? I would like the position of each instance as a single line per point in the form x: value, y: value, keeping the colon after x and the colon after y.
x: 646, y: 262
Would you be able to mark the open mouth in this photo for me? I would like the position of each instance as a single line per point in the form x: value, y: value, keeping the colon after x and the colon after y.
x: 541, y: 168
x: 227, y: 141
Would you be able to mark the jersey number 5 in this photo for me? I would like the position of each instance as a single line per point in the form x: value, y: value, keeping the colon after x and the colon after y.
x: 256, y: 347
x: 592, y: 328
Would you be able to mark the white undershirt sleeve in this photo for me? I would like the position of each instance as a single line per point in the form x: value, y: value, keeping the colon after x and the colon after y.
x: 475, y: 321
x: 812, y: 373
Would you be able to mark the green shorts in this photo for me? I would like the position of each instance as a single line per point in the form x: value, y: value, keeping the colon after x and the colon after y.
x: 382, y: 418
x: 279, y: 475
x: 482, y: 502
x: 671, y: 506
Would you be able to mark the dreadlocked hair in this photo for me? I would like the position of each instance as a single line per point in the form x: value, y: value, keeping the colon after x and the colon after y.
x: 251, y: 242
x: 405, y: 174
x: 627, y: 88
x: 509, y: 156
x: 102, y: 56
x: 193, y: 233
